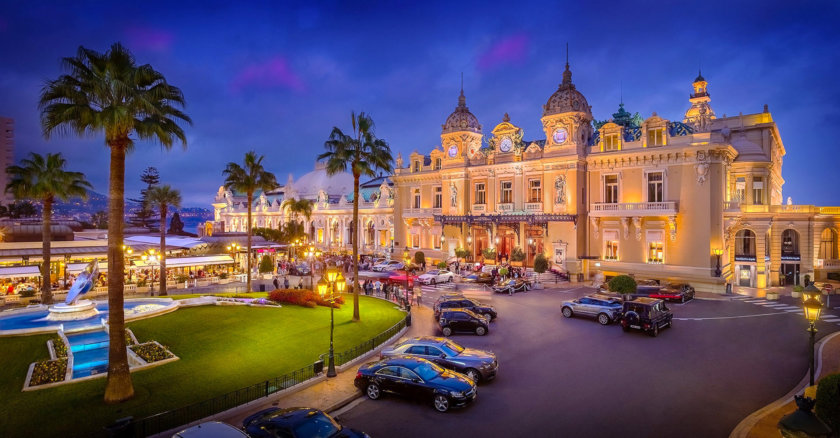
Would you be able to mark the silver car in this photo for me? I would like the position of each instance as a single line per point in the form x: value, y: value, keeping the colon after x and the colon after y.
x: 478, y: 365
x: 605, y: 309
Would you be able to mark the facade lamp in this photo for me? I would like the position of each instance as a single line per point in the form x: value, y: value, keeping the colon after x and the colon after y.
x: 469, y: 238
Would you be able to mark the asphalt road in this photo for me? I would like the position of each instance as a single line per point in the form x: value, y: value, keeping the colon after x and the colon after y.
x: 721, y: 361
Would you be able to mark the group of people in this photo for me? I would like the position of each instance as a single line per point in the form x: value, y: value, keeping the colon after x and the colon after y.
x: 392, y: 292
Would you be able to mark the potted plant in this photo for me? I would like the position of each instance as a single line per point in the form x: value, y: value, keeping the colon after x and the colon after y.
x: 517, y: 256
x: 266, y: 267
x: 419, y: 258
x: 462, y: 253
x: 441, y: 265
x: 503, y: 272
x: 489, y: 255
x: 624, y: 285
x: 771, y: 295
x: 540, y: 266
x: 797, y: 291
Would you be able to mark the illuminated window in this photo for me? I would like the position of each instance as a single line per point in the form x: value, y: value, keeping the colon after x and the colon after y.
x: 320, y: 235
x: 758, y: 190
x: 828, y: 244
x: 480, y: 197
x: 416, y: 198
x: 656, y: 137
x: 611, y: 143
x: 506, y: 192
x: 611, y: 189
x: 436, y: 241
x: 438, y: 196
x: 790, y: 243
x: 415, y: 240
x: 534, y: 190
x: 437, y: 163
x: 740, y: 189
x: 745, y: 243
x: 655, y: 246
x: 610, y: 245
x: 654, y: 183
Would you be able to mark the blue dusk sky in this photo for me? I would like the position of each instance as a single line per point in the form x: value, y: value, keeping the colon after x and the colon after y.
x: 277, y: 76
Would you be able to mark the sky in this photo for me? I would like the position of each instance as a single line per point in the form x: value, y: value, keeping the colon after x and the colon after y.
x: 276, y: 77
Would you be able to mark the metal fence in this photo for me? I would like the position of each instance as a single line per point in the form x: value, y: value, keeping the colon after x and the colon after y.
x: 177, y: 417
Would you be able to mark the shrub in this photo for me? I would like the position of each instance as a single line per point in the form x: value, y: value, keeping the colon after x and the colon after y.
x: 798, y: 288
x: 828, y: 401
x: 807, y: 279
x: 540, y: 264
x: 151, y: 352
x: 302, y: 297
x: 517, y: 255
x: 419, y: 258
x: 441, y: 265
x: 49, y: 371
x: 462, y: 253
x: 182, y: 278
x: 128, y: 340
x: 26, y: 293
x: 503, y: 272
x: 58, y: 346
x: 489, y: 253
x: 223, y: 275
x: 623, y: 284
x: 266, y: 265
x: 141, y: 283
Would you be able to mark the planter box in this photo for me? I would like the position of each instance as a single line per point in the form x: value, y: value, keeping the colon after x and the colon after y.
x: 796, y: 294
x: 773, y: 296
x: 517, y: 264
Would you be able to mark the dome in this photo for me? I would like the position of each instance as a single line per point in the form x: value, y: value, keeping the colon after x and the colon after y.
x: 566, y: 98
x: 308, y: 185
x: 461, y: 119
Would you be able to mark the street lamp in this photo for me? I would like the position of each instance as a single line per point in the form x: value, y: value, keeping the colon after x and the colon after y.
x: 528, y: 255
x: 406, y: 261
x: 310, y: 254
x: 151, y: 258
x: 718, y: 252
x: 333, y: 282
x: 233, y: 249
x: 813, y: 307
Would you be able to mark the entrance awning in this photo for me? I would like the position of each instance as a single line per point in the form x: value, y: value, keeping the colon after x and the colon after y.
x: 75, y: 268
x: 181, y: 262
x: 20, y: 271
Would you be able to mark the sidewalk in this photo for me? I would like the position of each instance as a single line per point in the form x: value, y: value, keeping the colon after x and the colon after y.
x: 763, y: 422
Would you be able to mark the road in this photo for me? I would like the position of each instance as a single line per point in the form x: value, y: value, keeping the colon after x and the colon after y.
x: 721, y: 361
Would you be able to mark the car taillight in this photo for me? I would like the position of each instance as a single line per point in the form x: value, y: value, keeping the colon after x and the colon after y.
x: 359, y: 375
x: 647, y: 325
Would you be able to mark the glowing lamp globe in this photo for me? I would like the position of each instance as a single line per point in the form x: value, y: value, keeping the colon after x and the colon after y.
x: 812, y: 310
x: 811, y: 292
x: 322, y: 287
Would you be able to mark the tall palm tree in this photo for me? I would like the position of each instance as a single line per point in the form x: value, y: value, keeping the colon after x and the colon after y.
x: 297, y: 207
x: 248, y: 179
x: 44, y: 179
x: 109, y: 93
x: 364, y: 154
x: 162, y: 197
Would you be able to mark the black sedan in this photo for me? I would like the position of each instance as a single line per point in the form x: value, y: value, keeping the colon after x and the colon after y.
x: 296, y: 422
x: 416, y: 378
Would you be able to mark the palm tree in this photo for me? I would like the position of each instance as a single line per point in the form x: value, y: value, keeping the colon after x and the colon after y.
x: 109, y: 93
x: 365, y: 155
x: 44, y: 179
x: 249, y: 179
x: 162, y: 197
x: 298, y: 207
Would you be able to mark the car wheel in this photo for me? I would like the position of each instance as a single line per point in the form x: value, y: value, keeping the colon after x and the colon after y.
x: 450, y: 279
x: 626, y: 328
x: 480, y: 331
x: 682, y: 299
x: 473, y: 374
x: 434, y: 282
x: 373, y: 391
x: 488, y: 317
x: 441, y: 403
x: 567, y: 312
x: 655, y: 332
x: 447, y: 331
x: 603, y: 318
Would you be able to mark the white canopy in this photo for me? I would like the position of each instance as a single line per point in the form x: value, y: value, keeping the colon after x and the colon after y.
x: 190, y: 261
x: 20, y: 271
x: 75, y: 268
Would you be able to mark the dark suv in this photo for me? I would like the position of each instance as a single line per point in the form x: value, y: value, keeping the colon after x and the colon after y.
x: 646, y: 314
x: 465, y: 303
x: 462, y: 320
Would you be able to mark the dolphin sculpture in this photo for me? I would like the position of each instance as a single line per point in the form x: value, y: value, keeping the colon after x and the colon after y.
x: 84, y: 282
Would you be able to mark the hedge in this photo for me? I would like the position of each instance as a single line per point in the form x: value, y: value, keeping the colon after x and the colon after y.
x: 828, y: 401
x: 623, y: 284
x: 302, y: 297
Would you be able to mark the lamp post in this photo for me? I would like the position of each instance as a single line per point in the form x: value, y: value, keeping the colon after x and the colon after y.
x: 233, y: 249
x: 151, y: 258
x: 528, y: 254
x: 813, y: 307
x: 406, y: 261
x: 334, y: 281
x: 718, y: 252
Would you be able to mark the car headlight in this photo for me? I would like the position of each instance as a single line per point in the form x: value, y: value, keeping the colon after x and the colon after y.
x: 457, y: 394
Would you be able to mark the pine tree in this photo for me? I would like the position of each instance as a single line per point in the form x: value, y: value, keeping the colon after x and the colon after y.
x: 145, y: 216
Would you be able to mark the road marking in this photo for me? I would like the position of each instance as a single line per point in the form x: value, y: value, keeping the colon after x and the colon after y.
x: 830, y: 318
x: 794, y: 310
x: 741, y: 297
x: 729, y: 317
x: 756, y: 301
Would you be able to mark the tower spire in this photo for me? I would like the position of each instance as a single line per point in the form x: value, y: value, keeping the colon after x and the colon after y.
x: 567, y: 75
x: 462, y: 101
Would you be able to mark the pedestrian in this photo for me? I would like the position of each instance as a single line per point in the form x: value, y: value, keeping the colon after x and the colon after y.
x: 378, y: 287
x: 418, y: 290
x: 285, y: 282
x: 276, y: 283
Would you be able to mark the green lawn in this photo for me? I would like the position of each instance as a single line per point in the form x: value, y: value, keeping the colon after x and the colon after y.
x: 222, y: 348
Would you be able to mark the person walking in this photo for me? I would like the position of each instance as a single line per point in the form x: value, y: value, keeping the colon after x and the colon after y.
x: 418, y: 292
x: 285, y: 282
x: 378, y: 287
x: 276, y: 283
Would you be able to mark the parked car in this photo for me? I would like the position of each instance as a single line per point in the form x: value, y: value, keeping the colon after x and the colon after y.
x: 604, y: 308
x: 646, y: 314
x: 488, y: 268
x: 479, y: 278
x: 390, y: 265
x: 478, y: 365
x: 296, y: 423
x: 647, y: 287
x: 437, y: 276
x: 211, y: 429
x: 300, y: 269
x: 511, y: 286
x: 674, y: 292
x: 462, y: 320
x: 418, y: 378
x: 489, y: 312
x: 378, y: 266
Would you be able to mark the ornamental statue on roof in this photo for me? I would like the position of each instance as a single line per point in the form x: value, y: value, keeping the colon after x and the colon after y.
x: 700, y: 115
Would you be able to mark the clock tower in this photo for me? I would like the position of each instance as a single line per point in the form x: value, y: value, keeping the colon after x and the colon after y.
x: 566, y: 119
x: 461, y: 134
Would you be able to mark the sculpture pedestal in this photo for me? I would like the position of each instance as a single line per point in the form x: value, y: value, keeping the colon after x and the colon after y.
x: 83, y: 309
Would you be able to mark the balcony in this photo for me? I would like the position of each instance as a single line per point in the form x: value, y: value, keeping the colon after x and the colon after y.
x: 479, y: 208
x: 419, y: 212
x: 625, y: 209
x: 505, y: 207
x: 732, y: 206
x: 533, y: 207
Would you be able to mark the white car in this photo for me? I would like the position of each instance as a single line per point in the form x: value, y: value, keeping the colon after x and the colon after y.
x: 436, y: 276
x: 393, y: 265
x: 387, y: 265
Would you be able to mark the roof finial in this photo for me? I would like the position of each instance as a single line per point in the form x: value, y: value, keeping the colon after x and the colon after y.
x: 567, y: 75
x: 567, y: 54
x: 462, y: 101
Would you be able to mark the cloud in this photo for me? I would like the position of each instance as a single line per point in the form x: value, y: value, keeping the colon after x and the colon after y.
x: 508, y: 50
x: 271, y: 73
x: 149, y: 39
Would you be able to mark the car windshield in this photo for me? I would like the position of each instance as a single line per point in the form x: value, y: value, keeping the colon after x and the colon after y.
x: 452, y: 349
x: 317, y: 426
x: 432, y: 273
x: 428, y: 370
x: 474, y: 302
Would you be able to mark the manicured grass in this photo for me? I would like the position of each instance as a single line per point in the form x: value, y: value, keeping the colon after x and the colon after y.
x: 222, y: 348
x: 224, y: 295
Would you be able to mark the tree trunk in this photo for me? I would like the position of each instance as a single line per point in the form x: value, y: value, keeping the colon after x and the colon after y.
x: 118, y: 387
x: 356, y: 316
x: 248, y: 229
x: 163, y: 250
x: 46, y: 292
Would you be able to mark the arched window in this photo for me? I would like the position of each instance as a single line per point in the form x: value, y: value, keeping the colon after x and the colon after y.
x: 437, y: 163
x: 790, y: 243
x: 828, y: 244
x: 745, y: 243
x: 370, y: 233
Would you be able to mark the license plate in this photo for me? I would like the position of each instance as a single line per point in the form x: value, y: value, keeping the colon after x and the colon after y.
x: 635, y: 326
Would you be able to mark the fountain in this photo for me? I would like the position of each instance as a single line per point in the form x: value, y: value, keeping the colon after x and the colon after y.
x: 74, y: 309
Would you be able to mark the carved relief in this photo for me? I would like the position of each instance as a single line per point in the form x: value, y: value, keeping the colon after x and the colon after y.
x: 453, y: 195
x: 672, y: 227
x: 625, y: 225
x: 595, y: 222
x: 560, y: 190
x: 702, y: 167
x: 637, y: 226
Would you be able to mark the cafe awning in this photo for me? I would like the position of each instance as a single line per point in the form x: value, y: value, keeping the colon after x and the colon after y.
x: 182, y: 262
x: 20, y: 271
x: 75, y: 268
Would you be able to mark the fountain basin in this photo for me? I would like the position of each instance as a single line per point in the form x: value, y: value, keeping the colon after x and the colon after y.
x: 83, y: 309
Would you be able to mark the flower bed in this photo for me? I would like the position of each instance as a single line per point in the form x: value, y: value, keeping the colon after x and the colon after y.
x: 48, y: 371
x: 151, y: 352
x: 58, y: 346
x: 302, y: 297
x: 129, y: 341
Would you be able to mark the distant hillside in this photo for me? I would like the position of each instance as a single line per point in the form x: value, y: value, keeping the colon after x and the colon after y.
x: 82, y: 210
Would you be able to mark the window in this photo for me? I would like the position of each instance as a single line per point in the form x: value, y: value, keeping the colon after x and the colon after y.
x: 611, y: 143
x: 745, y: 243
x: 437, y: 164
x: 320, y: 235
x: 438, y: 197
x: 433, y: 351
x: 611, y: 189
x: 388, y: 371
x: 828, y: 244
x: 534, y: 190
x: 790, y: 243
x: 416, y: 166
x: 758, y: 190
x: 740, y: 189
x: 656, y: 137
x: 480, y: 194
x: 654, y: 187
x: 415, y: 241
x: 610, y: 245
x: 416, y: 198
x: 506, y: 192
x: 416, y: 349
x: 436, y: 241
x: 656, y: 246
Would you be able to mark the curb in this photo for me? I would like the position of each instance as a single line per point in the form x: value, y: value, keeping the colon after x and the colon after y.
x: 746, y: 425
